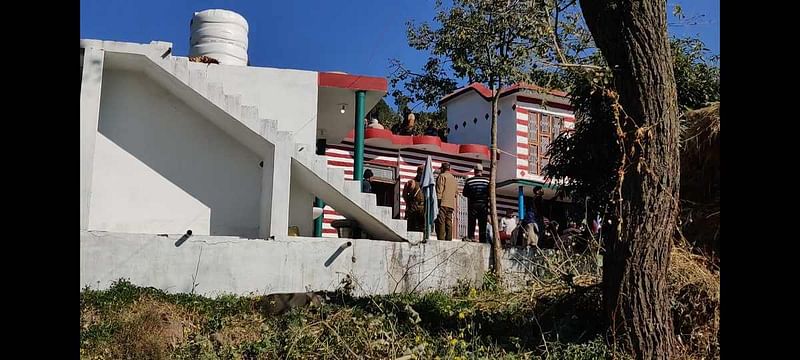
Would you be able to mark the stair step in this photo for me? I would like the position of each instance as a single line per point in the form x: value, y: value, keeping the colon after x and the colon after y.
x: 250, y: 118
x: 336, y: 178
x: 197, y: 81
x: 398, y: 226
x: 369, y: 202
x: 233, y: 105
x: 182, y: 69
x: 385, y: 212
x: 352, y: 189
x: 284, y: 136
x: 321, y: 163
x: 216, y: 95
x: 268, y: 128
x: 305, y: 154
x: 414, y: 236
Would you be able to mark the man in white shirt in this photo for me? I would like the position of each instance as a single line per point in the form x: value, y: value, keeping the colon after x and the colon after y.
x: 507, y: 225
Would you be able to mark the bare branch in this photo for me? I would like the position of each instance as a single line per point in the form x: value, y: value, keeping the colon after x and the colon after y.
x: 570, y: 65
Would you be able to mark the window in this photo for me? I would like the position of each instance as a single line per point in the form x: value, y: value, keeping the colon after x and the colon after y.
x: 533, y: 129
x: 542, y: 129
x: 381, y: 173
x: 533, y: 159
x: 544, y: 122
x: 544, y: 144
x: 558, y: 123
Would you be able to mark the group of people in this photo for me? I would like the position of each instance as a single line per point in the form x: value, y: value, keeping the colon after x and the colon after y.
x: 532, y: 230
x: 476, y: 190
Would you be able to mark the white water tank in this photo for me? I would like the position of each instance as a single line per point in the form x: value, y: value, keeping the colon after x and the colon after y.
x: 219, y: 34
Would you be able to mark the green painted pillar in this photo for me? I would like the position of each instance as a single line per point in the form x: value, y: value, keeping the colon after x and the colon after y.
x: 358, y: 139
x: 318, y: 221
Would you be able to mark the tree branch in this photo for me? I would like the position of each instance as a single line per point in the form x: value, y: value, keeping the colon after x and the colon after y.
x: 566, y: 6
x: 570, y: 65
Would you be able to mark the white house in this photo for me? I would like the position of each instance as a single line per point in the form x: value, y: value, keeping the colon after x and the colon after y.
x: 178, y: 156
x: 530, y: 118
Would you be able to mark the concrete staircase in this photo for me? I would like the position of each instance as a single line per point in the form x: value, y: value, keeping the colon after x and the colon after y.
x: 310, y: 169
x: 346, y: 197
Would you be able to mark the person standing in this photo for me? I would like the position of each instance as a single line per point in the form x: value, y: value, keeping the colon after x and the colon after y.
x: 538, y: 208
x: 366, y: 186
x: 431, y: 130
x: 407, y: 127
x: 507, y: 225
x: 476, y: 190
x: 415, y: 202
x: 446, y: 192
x: 530, y: 232
x: 375, y: 124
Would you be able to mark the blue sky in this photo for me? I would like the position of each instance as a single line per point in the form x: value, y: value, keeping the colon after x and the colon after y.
x: 354, y: 36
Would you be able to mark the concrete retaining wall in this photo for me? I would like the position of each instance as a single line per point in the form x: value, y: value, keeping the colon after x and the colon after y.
x: 213, y: 265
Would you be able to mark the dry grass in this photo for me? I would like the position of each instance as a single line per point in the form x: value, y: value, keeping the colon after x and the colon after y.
x: 695, y: 311
x: 151, y: 329
x: 700, y: 177
x: 551, y: 319
x: 239, y: 329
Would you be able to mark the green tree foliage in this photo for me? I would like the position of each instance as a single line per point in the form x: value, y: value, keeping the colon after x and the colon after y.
x: 696, y: 73
x: 588, y: 160
x: 385, y: 114
x: 497, y: 43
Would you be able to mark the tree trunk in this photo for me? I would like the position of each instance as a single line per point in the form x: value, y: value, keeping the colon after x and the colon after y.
x: 497, y: 248
x: 632, y: 36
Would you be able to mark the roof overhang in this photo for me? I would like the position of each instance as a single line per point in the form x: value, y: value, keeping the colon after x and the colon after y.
x: 555, y: 98
x: 511, y: 187
x: 337, y: 91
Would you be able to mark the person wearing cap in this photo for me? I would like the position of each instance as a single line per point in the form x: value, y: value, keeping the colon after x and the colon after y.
x: 476, y: 190
x: 446, y: 192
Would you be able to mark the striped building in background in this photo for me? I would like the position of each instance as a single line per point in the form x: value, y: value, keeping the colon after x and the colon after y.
x: 530, y: 119
x: 399, y: 166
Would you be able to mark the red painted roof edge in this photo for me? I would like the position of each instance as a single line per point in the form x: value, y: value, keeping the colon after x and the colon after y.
x: 410, y: 140
x: 486, y: 93
x: 354, y: 82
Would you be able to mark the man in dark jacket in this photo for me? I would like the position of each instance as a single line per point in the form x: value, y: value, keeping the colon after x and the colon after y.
x: 415, y: 203
x: 366, y: 186
x: 476, y: 190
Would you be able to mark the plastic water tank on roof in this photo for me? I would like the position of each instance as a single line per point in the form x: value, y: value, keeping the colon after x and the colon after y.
x: 219, y: 34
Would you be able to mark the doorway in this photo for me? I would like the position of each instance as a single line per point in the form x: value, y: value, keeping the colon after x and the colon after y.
x: 385, y: 186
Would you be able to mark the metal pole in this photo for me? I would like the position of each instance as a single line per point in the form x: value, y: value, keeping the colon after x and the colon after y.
x: 521, y: 203
x: 358, y: 138
x: 318, y: 221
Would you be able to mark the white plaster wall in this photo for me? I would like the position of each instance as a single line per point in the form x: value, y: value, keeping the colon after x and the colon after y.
x: 471, y: 105
x: 467, y: 107
x: 91, y: 86
x: 288, y: 264
x: 507, y: 139
x: 160, y: 167
x: 301, y: 202
x: 288, y: 96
